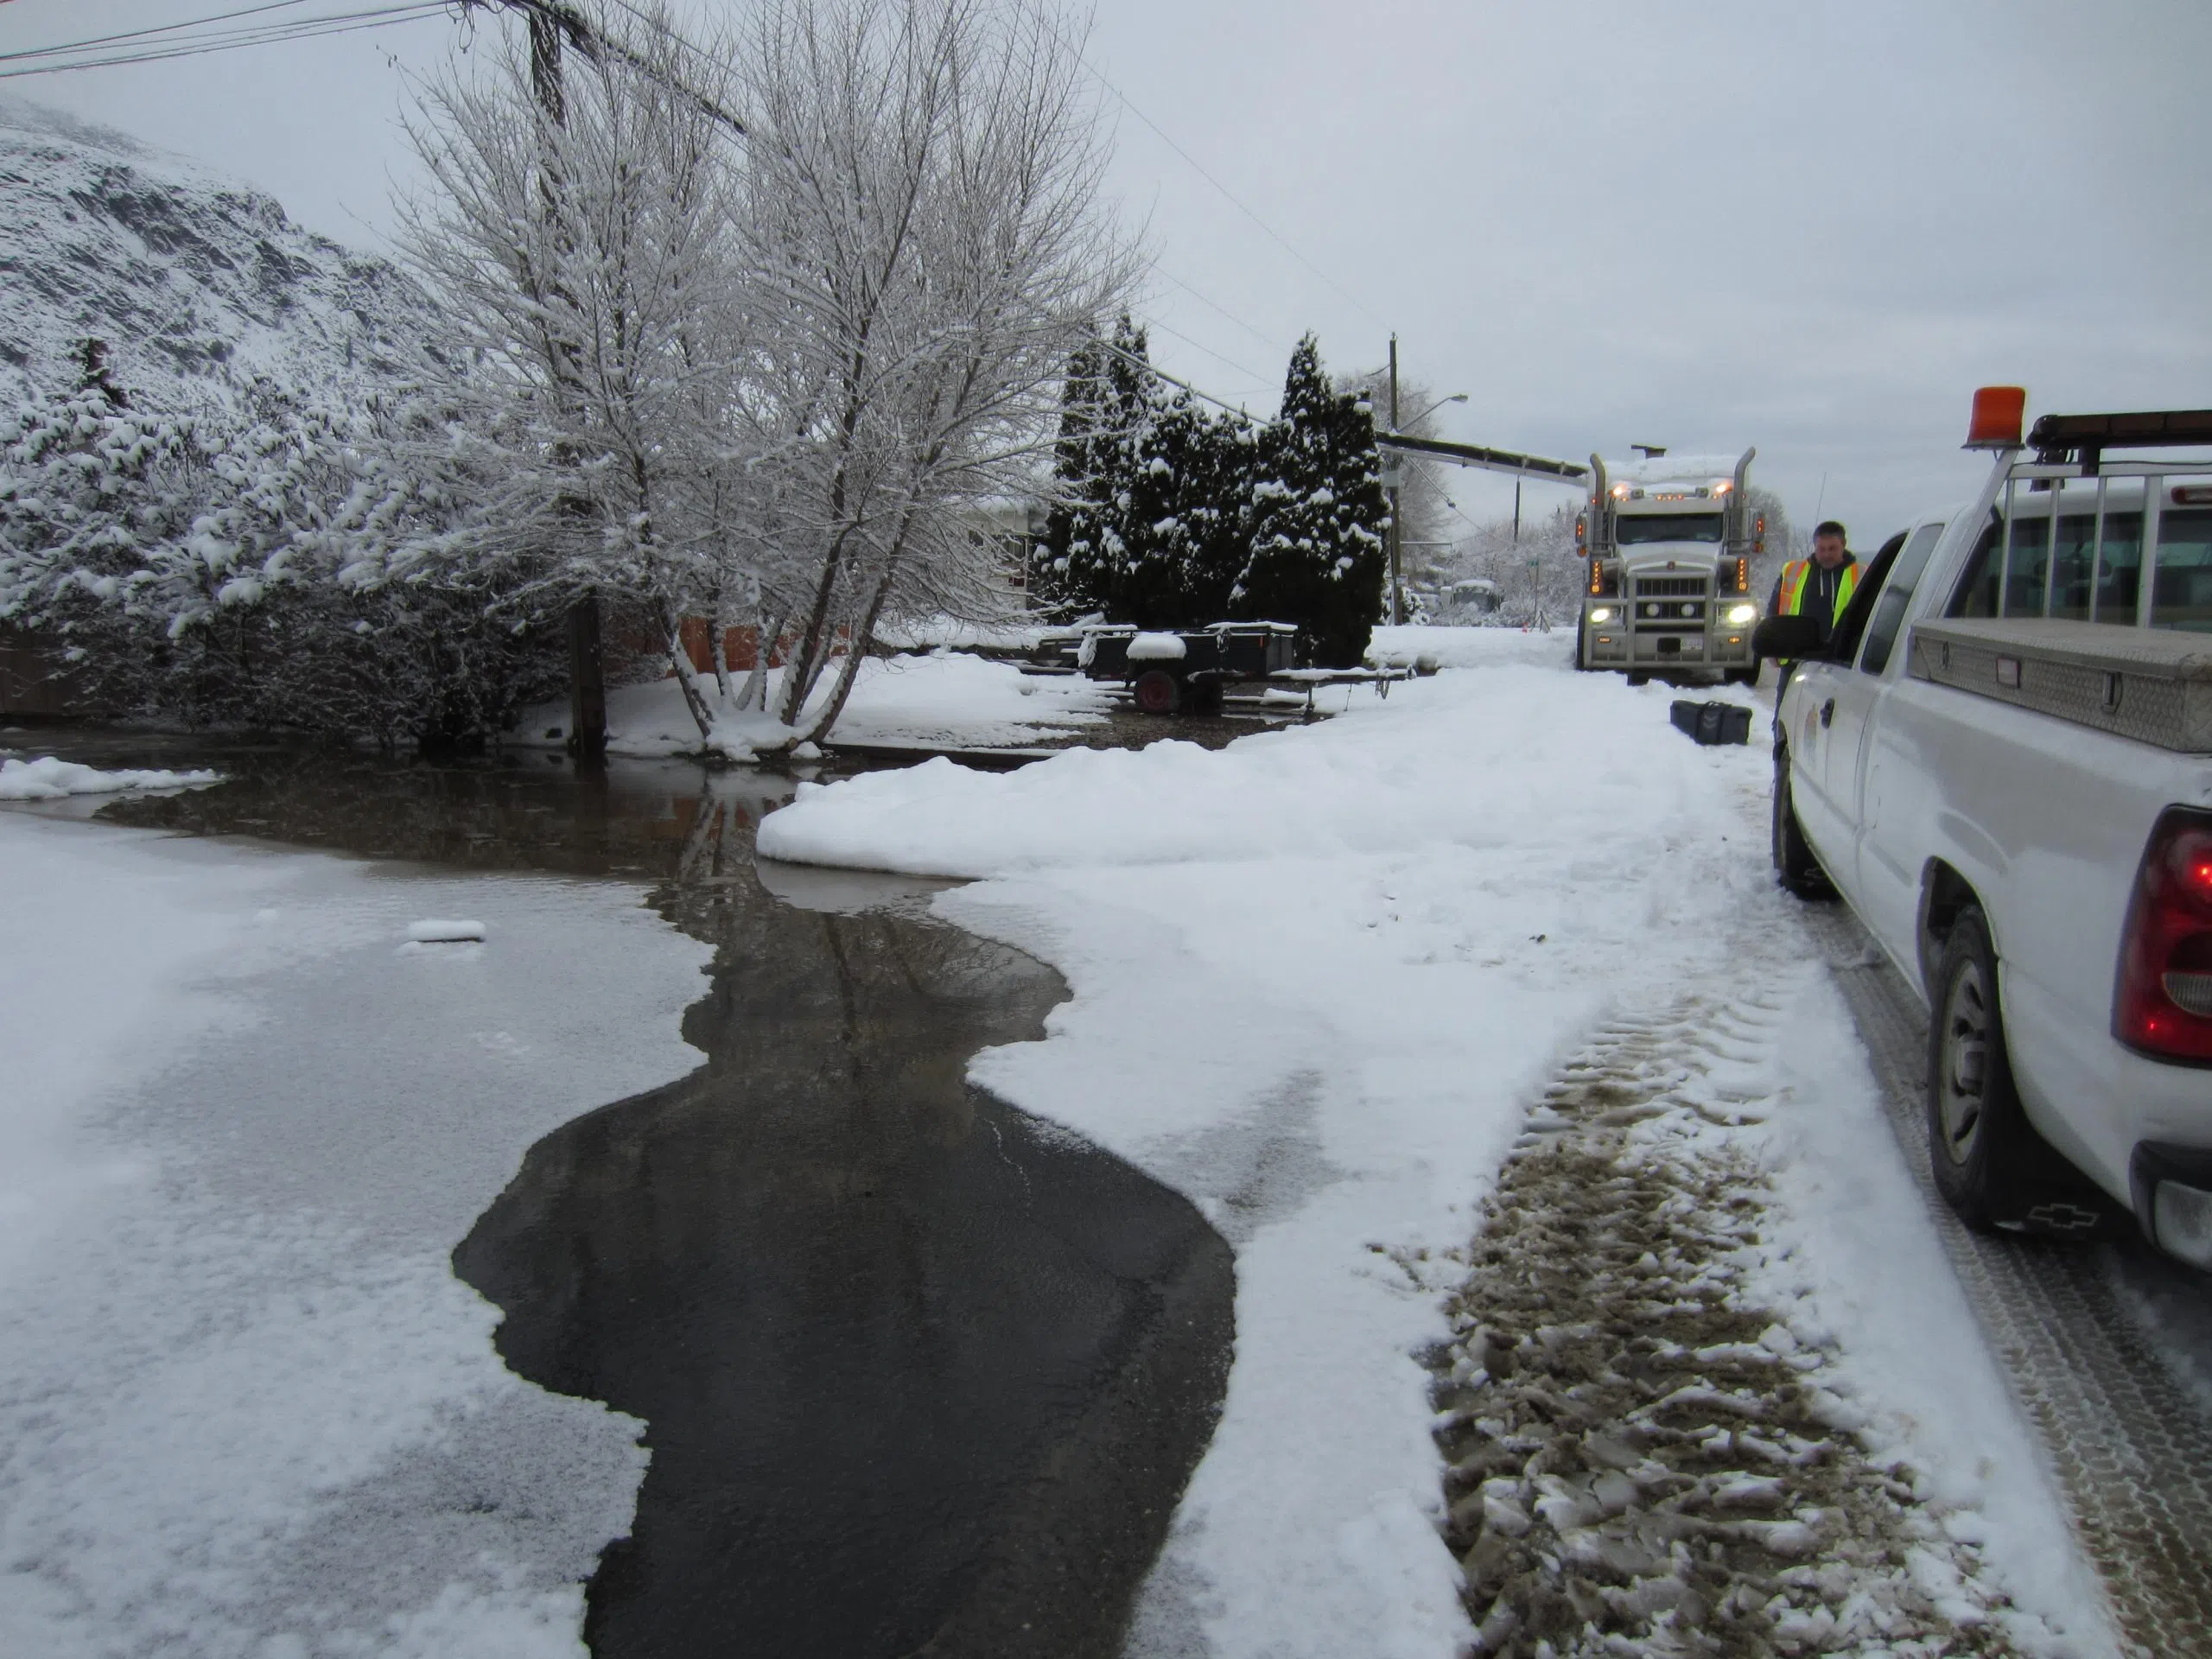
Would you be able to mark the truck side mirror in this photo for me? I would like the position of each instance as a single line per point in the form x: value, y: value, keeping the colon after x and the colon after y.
x: 1788, y: 639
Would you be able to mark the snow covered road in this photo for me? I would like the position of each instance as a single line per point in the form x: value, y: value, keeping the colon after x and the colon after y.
x: 245, y: 1407
x: 1319, y: 980
x: 2110, y: 1348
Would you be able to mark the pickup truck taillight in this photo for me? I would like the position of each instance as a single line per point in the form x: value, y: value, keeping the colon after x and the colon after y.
x: 2163, y: 1004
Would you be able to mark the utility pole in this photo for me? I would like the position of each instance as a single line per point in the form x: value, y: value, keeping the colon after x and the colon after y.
x: 1397, y: 589
x: 587, y: 653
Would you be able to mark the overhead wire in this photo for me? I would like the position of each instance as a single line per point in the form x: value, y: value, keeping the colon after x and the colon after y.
x: 1256, y: 379
x: 230, y: 40
x: 1169, y: 277
x: 158, y: 28
x: 1273, y: 234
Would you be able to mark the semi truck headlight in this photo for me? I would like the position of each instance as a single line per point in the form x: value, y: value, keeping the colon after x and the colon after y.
x: 1739, y: 616
x: 1601, y: 613
x: 2182, y: 1218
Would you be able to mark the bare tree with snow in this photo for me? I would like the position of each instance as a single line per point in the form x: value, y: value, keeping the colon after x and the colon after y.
x: 580, y: 233
x: 926, y: 242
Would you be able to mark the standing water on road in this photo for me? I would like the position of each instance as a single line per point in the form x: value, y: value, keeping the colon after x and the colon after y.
x: 918, y: 1369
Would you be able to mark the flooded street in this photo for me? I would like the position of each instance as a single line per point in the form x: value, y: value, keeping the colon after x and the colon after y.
x: 918, y: 1371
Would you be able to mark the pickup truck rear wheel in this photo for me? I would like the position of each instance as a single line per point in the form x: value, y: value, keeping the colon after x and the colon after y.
x: 1976, y: 1129
x: 1794, y: 866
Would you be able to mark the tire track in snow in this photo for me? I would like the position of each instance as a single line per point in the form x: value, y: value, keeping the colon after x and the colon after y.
x: 1649, y: 1453
x: 2131, y: 1447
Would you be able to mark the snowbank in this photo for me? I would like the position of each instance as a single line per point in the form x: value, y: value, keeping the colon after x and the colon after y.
x: 48, y: 779
x: 1318, y: 978
x: 932, y: 633
x: 1471, y: 647
x: 244, y: 1405
x: 946, y: 699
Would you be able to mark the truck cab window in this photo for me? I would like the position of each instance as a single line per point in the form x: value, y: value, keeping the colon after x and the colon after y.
x: 2120, y: 568
x: 2024, y: 567
x: 1896, y: 594
x: 1976, y: 594
x: 1640, y: 528
x: 2181, y: 593
x: 2071, y: 578
x: 1873, y: 577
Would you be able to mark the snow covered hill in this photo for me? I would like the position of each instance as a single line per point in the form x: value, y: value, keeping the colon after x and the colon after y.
x: 189, y: 276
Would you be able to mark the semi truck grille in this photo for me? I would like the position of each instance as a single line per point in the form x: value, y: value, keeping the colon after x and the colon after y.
x: 1670, y: 588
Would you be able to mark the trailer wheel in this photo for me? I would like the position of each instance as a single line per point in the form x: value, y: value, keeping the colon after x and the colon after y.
x: 1795, y: 865
x: 1204, y: 695
x: 1158, y: 692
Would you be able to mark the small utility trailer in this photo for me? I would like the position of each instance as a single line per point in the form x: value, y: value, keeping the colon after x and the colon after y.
x: 1188, y: 670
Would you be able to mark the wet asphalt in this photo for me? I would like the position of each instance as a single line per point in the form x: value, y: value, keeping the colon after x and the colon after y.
x: 920, y: 1373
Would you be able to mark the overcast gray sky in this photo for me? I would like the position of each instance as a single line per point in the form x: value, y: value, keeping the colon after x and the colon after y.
x: 1814, y: 228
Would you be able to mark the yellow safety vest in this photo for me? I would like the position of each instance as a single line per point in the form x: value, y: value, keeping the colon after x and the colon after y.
x: 1794, y: 575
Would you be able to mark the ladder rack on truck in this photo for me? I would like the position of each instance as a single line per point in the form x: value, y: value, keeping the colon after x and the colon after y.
x: 2050, y: 623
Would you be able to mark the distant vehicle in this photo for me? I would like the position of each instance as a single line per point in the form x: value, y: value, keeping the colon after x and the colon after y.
x: 1476, y: 596
x: 2004, y: 761
x: 1669, y: 542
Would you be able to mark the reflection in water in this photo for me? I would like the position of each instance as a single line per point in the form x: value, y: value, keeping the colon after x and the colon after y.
x: 920, y: 1373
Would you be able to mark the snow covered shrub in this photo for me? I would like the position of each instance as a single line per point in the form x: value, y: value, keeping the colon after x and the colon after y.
x: 1150, y: 522
x: 1317, y: 545
x: 247, y: 566
x: 1169, y: 517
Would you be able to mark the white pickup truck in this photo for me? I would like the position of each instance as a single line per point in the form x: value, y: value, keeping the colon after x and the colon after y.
x: 2004, y: 763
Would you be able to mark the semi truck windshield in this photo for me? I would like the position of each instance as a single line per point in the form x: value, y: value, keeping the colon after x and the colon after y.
x: 1666, y: 527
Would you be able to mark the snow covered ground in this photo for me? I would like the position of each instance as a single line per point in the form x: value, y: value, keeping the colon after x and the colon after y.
x: 1320, y: 978
x: 945, y: 698
x: 43, y: 778
x: 1472, y: 647
x: 245, y: 1407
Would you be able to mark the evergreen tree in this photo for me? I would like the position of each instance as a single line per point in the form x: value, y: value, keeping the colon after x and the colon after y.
x: 1105, y: 409
x: 1317, y: 515
x: 1187, y: 527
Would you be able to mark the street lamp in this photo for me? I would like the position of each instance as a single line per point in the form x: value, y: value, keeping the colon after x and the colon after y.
x: 1397, y: 584
x: 1456, y: 397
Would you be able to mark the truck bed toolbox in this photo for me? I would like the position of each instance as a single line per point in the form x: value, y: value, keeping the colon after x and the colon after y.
x: 2151, y: 684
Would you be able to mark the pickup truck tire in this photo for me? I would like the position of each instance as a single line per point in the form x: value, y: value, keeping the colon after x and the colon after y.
x: 1977, y: 1134
x: 1158, y: 692
x: 1795, y: 865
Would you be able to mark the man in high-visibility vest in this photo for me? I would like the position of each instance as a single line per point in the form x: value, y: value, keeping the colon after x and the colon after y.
x: 1820, y: 586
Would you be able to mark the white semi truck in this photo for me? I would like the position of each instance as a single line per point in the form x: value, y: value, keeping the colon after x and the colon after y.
x: 1668, y: 542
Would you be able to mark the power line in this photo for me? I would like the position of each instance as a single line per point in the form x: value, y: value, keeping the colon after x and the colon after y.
x: 233, y: 40
x: 1256, y: 379
x: 159, y: 29
x: 1149, y: 367
x: 1265, y: 339
x: 1274, y: 235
